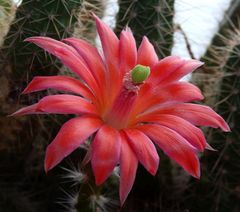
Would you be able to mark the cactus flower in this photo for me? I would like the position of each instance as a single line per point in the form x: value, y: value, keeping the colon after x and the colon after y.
x: 127, y: 101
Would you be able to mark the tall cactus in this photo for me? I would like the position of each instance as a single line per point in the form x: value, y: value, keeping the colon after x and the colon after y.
x: 152, y: 18
x: 22, y: 151
x: 220, y: 182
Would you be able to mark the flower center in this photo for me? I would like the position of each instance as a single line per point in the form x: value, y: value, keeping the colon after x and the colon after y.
x: 119, y: 114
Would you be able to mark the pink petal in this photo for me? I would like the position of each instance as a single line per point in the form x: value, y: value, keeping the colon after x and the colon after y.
x: 32, y: 109
x: 175, y: 146
x: 105, y: 153
x: 177, y: 91
x: 146, y: 54
x: 91, y: 57
x: 60, y: 104
x: 144, y: 149
x: 128, y: 51
x: 128, y: 169
x: 174, y: 92
x: 172, y: 68
x: 196, y: 114
x: 62, y: 83
x: 68, y: 56
x: 110, y: 43
x: 209, y: 147
x: 65, y: 104
x: 163, y: 68
x: 191, y: 133
x: 110, y: 46
x: 71, y: 135
x: 188, y: 67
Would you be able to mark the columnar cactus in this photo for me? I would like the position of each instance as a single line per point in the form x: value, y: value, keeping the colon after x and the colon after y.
x: 220, y: 184
x: 219, y: 188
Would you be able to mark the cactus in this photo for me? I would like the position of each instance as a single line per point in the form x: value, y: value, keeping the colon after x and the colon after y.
x: 151, y: 18
x: 33, y: 18
x: 209, y: 78
x: 220, y: 181
x: 220, y: 185
x: 20, y: 61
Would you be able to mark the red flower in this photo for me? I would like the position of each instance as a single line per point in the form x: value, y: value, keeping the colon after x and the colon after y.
x: 126, y: 110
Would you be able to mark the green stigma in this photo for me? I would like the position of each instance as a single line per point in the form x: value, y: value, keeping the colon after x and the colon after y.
x: 140, y: 73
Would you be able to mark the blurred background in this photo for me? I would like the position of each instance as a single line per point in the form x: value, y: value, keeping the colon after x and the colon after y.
x: 208, y: 30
